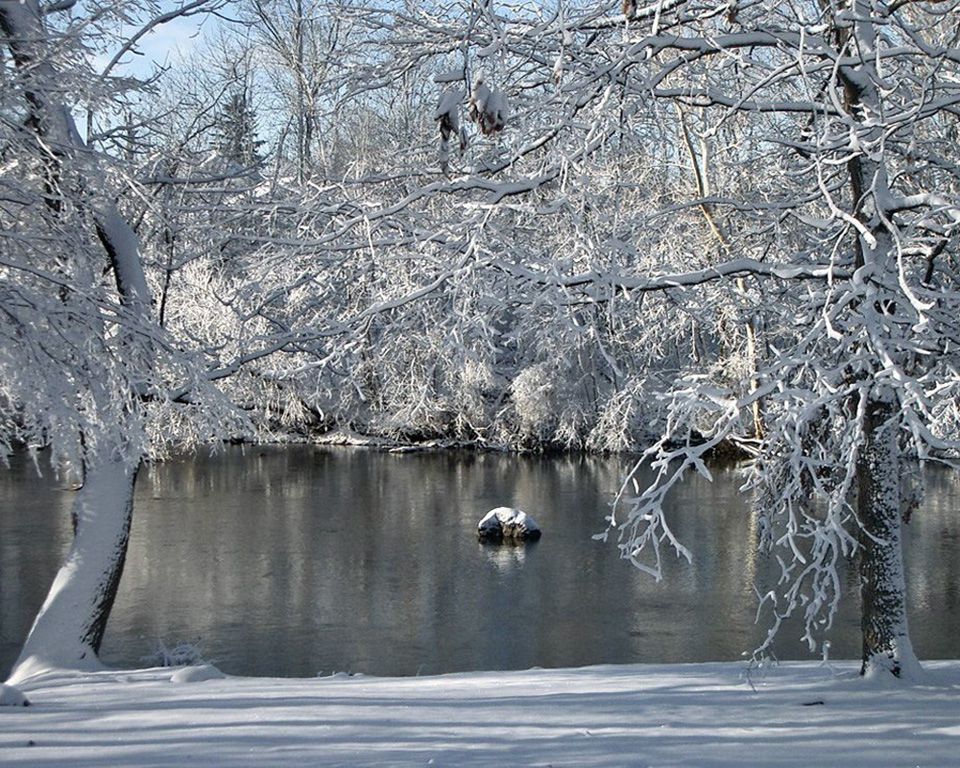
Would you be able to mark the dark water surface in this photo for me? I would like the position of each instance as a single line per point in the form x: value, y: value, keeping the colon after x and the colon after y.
x: 304, y: 560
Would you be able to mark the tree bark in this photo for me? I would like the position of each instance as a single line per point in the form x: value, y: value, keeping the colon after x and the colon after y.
x: 883, y: 617
x: 886, y: 646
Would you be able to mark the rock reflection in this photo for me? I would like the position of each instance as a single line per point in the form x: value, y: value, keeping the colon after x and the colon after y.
x: 507, y: 556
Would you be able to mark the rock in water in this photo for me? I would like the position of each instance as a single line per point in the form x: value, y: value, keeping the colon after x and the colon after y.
x: 507, y: 524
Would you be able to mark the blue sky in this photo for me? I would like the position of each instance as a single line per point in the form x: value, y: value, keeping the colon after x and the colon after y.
x: 168, y: 43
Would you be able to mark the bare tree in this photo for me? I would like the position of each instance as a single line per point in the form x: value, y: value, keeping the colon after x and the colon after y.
x: 301, y: 39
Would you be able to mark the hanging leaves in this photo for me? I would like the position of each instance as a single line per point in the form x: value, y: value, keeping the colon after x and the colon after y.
x: 447, y: 115
x: 488, y: 108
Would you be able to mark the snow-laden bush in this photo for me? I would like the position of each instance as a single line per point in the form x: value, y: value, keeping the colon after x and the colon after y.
x: 619, y: 425
x: 532, y: 391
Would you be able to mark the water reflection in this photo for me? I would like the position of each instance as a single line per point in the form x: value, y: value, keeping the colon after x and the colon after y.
x: 293, y: 561
x: 35, y: 536
x: 508, y: 556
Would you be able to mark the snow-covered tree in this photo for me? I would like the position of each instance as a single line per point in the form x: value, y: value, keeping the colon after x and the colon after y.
x: 86, y: 369
x: 853, y: 103
x: 77, y: 356
x: 237, y: 129
x: 819, y: 233
x: 299, y: 40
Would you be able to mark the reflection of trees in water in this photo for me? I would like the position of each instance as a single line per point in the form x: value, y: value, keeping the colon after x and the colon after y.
x: 359, y: 546
x: 932, y: 559
x: 368, y: 561
x: 35, y: 535
x: 351, y: 545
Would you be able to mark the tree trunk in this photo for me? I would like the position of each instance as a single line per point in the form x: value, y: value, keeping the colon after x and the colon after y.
x: 886, y: 639
x: 68, y: 631
x: 69, y: 628
x: 883, y: 610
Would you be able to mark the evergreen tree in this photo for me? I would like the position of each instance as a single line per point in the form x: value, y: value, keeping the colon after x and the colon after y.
x: 237, y: 132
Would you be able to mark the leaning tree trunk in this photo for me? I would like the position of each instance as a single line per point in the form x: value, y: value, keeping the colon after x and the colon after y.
x: 886, y: 640
x: 69, y: 628
x: 68, y: 631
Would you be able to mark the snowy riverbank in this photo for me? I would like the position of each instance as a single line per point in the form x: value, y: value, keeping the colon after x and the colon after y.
x: 644, y: 715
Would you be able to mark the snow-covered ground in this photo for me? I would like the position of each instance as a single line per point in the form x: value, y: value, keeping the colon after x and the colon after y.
x: 798, y: 714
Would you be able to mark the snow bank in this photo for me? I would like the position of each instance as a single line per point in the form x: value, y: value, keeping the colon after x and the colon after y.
x: 196, y: 674
x: 692, y: 715
x: 12, y: 697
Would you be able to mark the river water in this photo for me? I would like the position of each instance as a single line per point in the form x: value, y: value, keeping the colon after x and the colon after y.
x: 305, y: 560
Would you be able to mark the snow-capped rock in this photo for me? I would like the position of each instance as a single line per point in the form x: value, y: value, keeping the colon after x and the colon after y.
x: 507, y: 524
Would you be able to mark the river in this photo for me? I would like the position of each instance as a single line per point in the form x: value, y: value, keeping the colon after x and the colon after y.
x: 302, y: 560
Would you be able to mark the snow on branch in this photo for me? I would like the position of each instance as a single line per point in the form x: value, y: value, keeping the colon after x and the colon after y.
x: 680, y: 448
x: 187, y: 9
x: 733, y: 268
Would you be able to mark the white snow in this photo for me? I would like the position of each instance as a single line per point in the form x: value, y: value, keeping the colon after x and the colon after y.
x: 496, y: 105
x: 60, y: 635
x: 509, y: 515
x: 197, y: 674
x: 480, y: 95
x: 799, y: 714
x: 488, y: 108
x: 448, y: 105
x: 12, y: 697
x: 489, y: 50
